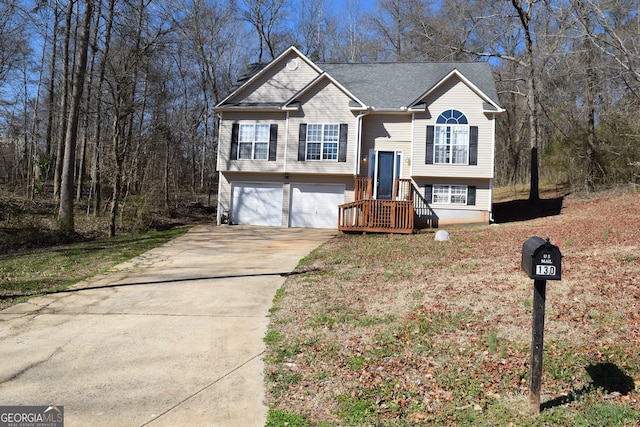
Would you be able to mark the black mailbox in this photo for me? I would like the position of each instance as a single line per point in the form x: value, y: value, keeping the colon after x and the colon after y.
x: 541, y: 260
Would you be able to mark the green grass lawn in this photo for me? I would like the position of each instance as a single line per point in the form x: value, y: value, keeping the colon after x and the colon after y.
x: 37, y: 271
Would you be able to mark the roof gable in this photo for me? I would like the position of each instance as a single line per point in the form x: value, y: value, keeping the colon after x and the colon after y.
x: 488, y: 103
x: 398, y: 86
x: 356, y: 103
x: 377, y: 86
x: 271, y: 85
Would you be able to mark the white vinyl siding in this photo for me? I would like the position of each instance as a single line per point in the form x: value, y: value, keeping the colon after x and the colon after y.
x: 226, y: 163
x: 278, y: 84
x: 454, y: 94
x: 386, y: 133
x: 323, y: 104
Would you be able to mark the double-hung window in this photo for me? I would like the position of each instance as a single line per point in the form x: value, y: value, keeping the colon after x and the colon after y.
x: 445, y: 194
x: 322, y: 141
x: 451, y: 142
x: 450, y: 194
x: 253, y: 142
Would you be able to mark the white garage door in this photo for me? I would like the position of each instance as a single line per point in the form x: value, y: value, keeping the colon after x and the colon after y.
x: 315, y: 205
x: 257, y: 204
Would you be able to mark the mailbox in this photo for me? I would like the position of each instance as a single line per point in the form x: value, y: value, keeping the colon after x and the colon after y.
x: 541, y: 260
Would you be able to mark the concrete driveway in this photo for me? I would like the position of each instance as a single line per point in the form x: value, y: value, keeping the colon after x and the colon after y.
x: 173, y: 338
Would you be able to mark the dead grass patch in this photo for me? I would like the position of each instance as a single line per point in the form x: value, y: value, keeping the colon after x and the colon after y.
x: 402, y: 330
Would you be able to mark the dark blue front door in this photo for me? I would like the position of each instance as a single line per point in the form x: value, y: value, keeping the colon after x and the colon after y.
x: 386, y: 160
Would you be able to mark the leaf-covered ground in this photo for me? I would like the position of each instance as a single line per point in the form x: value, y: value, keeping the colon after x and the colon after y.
x: 403, y: 330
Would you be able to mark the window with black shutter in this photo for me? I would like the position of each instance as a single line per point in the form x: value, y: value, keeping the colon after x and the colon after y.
x: 322, y: 142
x: 254, y: 141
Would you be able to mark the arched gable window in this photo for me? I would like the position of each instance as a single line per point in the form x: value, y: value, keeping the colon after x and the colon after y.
x: 451, y: 142
x: 452, y: 117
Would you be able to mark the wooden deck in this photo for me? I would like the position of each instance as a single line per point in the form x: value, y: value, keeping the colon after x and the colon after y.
x: 377, y: 216
x: 366, y: 214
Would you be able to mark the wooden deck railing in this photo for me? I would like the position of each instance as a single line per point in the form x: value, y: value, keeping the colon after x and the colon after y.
x: 424, y: 215
x: 377, y: 216
x: 407, y: 210
x: 363, y: 189
x: 402, y: 189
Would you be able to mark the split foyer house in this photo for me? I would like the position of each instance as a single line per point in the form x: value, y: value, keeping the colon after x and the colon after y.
x: 359, y: 147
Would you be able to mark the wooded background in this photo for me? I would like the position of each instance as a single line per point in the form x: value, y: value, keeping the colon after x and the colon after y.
x: 107, y: 103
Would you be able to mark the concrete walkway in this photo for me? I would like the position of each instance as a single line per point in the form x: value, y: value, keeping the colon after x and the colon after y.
x: 173, y: 338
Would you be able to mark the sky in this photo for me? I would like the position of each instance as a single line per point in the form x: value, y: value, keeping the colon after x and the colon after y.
x: 340, y: 6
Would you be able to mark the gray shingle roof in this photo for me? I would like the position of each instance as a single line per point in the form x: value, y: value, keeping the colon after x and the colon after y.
x: 395, y: 85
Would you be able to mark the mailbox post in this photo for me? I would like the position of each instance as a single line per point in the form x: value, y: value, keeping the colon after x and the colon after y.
x: 542, y: 261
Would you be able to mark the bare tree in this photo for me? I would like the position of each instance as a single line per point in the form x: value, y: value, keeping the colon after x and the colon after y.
x: 397, y: 23
x: 66, y: 219
x: 95, y: 191
x: 356, y: 42
x: 64, y: 89
x: 523, y: 10
x: 209, y: 36
x: 268, y: 19
x: 124, y: 67
x: 51, y: 99
x: 88, y: 103
x: 618, y: 36
x: 316, y: 28
x: 11, y: 39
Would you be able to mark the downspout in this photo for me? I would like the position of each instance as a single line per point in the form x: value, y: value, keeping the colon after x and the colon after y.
x: 413, y: 137
x: 219, y: 207
x: 493, y: 165
x: 356, y: 168
x: 286, y: 142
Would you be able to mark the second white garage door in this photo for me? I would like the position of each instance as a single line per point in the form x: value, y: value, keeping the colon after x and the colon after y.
x: 315, y: 205
x: 257, y: 204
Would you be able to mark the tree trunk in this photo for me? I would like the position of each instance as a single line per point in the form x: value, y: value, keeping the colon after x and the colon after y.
x: 124, y: 100
x: 95, y: 164
x: 113, y: 211
x: 532, y: 100
x: 117, y: 178
x: 33, y: 168
x: 52, y: 80
x: 167, y: 155
x: 534, y: 195
x: 62, y: 131
x: 67, y: 226
x: 590, y: 102
x: 85, y: 136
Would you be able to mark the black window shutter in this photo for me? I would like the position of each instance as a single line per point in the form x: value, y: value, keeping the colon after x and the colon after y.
x: 273, y: 142
x: 428, y: 193
x: 302, y: 142
x: 473, y: 145
x: 431, y: 132
x: 235, y: 128
x: 342, y: 146
x: 471, y: 196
